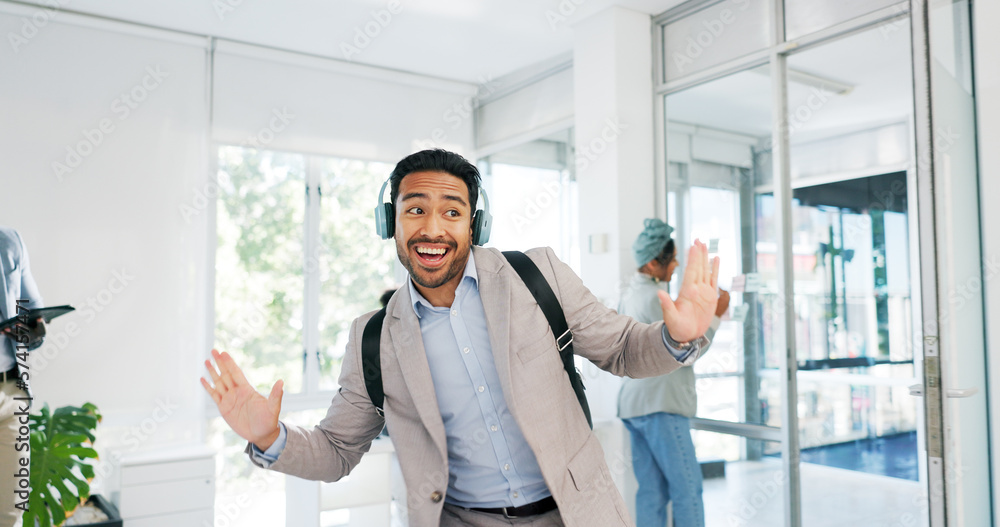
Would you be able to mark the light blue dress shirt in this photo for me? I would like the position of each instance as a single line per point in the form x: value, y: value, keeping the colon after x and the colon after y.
x: 490, y: 462
x: 12, y: 248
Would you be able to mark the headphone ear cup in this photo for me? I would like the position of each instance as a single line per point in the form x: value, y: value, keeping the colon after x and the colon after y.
x: 482, y: 223
x: 385, y: 220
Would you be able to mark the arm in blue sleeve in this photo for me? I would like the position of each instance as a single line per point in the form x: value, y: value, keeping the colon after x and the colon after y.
x: 266, y: 457
x: 29, y: 289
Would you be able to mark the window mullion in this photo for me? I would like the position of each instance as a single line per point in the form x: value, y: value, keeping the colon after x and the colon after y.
x: 310, y: 272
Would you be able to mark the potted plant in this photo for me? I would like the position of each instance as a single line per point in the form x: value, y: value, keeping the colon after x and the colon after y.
x: 61, y: 443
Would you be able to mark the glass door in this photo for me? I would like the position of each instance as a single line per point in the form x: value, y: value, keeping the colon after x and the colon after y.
x: 854, y: 242
x: 834, y: 171
x: 954, y: 340
x: 717, y: 148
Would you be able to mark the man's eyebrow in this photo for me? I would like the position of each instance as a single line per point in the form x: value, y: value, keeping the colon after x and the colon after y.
x: 449, y: 197
x: 456, y: 198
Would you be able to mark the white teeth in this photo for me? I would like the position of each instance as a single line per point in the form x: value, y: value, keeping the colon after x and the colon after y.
x: 428, y: 250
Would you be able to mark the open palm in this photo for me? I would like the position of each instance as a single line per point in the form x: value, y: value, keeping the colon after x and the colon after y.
x: 251, y: 415
x: 688, y: 317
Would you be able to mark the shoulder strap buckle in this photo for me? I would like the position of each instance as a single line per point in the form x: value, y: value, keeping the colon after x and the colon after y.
x: 563, y: 343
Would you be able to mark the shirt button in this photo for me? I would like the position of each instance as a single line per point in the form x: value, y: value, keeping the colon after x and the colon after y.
x: 515, y: 493
x: 506, y: 466
x: 465, y: 350
x: 436, y: 496
x: 494, y: 428
x: 481, y: 388
x: 454, y: 312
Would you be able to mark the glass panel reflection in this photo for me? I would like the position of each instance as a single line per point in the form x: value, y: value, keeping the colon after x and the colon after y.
x: 851, y: 157
x: 720, y: 32
x: 807, y: 16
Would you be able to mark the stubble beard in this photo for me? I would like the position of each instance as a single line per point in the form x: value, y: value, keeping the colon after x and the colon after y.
x: 420, y: 276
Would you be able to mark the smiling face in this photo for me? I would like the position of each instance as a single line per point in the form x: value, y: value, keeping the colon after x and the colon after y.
x: 434, y: 232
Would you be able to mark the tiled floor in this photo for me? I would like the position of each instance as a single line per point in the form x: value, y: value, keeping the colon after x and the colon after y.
x: 751, y: 495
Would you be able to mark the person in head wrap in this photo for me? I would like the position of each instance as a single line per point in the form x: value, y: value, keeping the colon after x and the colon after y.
x: 657, y: 410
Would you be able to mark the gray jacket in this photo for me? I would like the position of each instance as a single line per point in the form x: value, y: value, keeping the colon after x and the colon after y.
x: 535, y: 387
x: 673, y: 393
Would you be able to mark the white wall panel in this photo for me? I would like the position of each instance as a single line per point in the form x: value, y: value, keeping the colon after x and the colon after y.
x: 285, y: 101
x: 103, y: 140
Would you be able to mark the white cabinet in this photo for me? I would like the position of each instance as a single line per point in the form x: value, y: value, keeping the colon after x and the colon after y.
x: 167, y: 488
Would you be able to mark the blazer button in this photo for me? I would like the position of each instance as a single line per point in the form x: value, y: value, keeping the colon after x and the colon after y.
x: 436, y: 496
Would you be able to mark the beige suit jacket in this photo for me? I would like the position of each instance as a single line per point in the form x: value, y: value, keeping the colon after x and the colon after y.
x: 535, y: 386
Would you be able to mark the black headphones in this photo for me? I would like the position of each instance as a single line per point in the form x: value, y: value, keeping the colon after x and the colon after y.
x: 385, y: 218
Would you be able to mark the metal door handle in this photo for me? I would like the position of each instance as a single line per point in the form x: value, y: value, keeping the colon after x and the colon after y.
x: 959, y: 394
x: 917, y: 390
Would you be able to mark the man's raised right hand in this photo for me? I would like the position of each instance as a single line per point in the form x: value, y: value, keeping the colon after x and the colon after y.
x: 247, y: 412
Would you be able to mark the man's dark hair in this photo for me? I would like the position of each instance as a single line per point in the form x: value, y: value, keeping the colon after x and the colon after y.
x: 437, y: 160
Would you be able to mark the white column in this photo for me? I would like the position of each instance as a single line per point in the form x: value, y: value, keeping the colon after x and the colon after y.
x: 613, y: 106
x: 613, y: 86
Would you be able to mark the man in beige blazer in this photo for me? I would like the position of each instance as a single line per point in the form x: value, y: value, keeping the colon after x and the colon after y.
x: 538, y: 423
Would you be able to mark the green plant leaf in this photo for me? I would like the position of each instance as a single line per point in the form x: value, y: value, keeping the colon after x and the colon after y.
x: 60, y: 447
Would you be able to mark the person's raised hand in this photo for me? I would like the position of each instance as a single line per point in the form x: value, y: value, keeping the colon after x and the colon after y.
x: 723, y: 304
x: 251, y: 415
x: 689, y: 316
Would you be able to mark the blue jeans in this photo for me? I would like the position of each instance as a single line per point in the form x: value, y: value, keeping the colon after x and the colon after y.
x: 667, y: 470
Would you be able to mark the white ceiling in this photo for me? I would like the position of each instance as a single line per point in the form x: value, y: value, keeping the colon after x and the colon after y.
x: 466, y: 40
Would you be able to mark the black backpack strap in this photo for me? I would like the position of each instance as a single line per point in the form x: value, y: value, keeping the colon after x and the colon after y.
x: 370, y: 361
x: 547, y: 301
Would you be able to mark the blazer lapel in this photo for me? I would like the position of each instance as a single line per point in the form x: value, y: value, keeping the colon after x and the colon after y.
x: 408, y: 344
x: 494, y: 290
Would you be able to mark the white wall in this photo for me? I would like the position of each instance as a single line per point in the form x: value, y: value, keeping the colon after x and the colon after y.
x: 102, y: 223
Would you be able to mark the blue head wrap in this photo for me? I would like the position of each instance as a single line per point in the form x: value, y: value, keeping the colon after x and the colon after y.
x: 651, y: 241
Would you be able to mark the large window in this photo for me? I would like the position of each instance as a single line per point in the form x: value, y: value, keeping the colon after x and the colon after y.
x: 297, y: 260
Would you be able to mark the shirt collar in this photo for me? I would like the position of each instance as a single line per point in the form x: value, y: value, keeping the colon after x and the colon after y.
x: 470, y: 274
